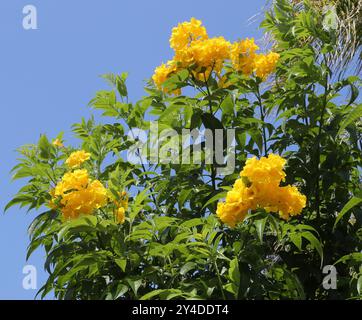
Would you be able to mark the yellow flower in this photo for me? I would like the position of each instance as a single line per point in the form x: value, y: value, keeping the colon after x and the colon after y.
x: 230, y: 213
x: 236, y: 206
x: 58, y: 143
x: 202, y: 56
x: 265, y: 64
x: 242, y: 55
x: 266, y: 170
x: 78, y: 194
x: 291, y: 202
x: 193, y: 48
x: 120, y: 215
x: 187, y: 32
x: 122, y: 206
x: 162, y: 73
x: 77, y: 158
x: 51, y: 204
x: 263, y: 190
x: 122, y: 201
x: 210, y: 53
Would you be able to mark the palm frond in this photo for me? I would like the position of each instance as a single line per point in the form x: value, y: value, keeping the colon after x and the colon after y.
x: 348, y: 30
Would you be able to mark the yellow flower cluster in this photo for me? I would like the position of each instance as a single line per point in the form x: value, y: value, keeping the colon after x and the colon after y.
x: 243, y: 54
x: 58, y: 143
x: 195, y: 51
x: 163, y: 72
x: 208, y: 54
x: 245, y: 59
x: 77, y: 158
x: 259, y: 187
x: 193, y: 47
x: 186, y: 32
x: 265, y: 64
x: 121, y: 208
x: 77, y: 194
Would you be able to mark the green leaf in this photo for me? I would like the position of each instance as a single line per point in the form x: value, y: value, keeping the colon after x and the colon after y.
x: 211, y: 122
x: 314, y: 242
x: 83, y: 223
x: 137, y: 204
x: 353, y: 116
x: 176, y: 80
x: 34, y: 244
x: 234, y: 273
x: 122, y: 263
x: 297, y: 284
x: 187, y: 267
x: 117, y: 81
x: 227, y: 106
x: 22, y: 199
x: 183, y: 74
x: 152, y: 294
x: 183, y: 197
x: 256, y: 137
x: 354, y: 94
x: 192, y: 223
x: 355, y: 256
x: 106, y: 101
x: 170, y: 112
x: 134, y: 284
x: 44, y: 147
x: 121, y: 84
x: 296, y: 238
x: 260, y: 226
x: 215, y: 198
x: 359, y: 285
x: 120, y: 291
x: 349, y: 205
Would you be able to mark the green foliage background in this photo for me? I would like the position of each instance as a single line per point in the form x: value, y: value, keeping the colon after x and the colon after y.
x: 172, y: 245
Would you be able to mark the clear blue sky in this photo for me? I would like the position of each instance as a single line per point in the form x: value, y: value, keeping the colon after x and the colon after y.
x: 47, y: 77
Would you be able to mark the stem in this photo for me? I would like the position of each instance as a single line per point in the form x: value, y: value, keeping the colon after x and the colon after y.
x: 219, y: 279
x: 318, y: 151
x: 213, y: 172
x: 144, y: 171
x: 193, y: 84
x: 262, y: 117
x: 140, y: 158
x: 247, y: 235
x: 245, y: 241
x: 151, y: 188
x: 306, y: 112
x: 208, y: 93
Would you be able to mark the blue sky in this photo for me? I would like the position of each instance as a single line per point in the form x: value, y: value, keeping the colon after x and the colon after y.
x: 47, y: 77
